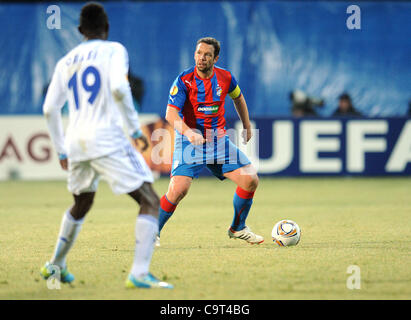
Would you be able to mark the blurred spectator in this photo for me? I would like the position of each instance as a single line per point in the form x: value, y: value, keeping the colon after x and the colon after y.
x: 345, y: 107
x: 304, y: 105
x: 137, y: 90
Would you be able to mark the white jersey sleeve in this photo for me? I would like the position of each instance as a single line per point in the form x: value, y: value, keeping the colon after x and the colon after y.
x: 120, y: 88
x: 54, y: 101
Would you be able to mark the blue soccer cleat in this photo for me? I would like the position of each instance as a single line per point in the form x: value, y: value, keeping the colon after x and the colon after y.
x: 148, y: 281
x: 48, y: 270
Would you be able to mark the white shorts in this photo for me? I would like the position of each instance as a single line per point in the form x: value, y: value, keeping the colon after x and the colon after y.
x: 124, y: 170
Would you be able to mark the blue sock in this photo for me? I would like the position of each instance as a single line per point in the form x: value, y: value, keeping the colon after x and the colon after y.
x: 242, y: 203
x: 165, y: 212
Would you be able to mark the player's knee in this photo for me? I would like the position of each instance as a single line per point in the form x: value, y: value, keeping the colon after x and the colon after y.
x: 177, y: 194
x: 82, y: 205
x: 252, y: 182
x: 182, y: 193
x: 80, y: 208
x: 177, y: 191
x: 178, y: 188
x: 150, y: 204
x: 155, y: 203
x: 88, y: 205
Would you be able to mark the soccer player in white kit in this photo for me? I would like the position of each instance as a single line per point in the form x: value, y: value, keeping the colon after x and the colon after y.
x: 93, y: 78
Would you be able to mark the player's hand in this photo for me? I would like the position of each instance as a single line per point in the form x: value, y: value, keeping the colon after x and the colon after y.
x: 64, y: 164
x: 143, y: 139
x: 194, y: 137
x: 246, y: 134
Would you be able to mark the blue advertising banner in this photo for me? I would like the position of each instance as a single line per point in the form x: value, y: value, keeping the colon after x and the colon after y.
x: 272, y: 47
x: 348, y: 146
x: 279, y: 147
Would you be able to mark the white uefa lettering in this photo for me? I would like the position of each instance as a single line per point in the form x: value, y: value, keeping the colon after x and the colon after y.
x: 311, y: 144
x: 282, y: 147
x: 401, y: 154
x: 358, y: 144
x: 251, y: 149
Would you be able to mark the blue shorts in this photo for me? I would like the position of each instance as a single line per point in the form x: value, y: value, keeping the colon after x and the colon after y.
x: 219, y: 157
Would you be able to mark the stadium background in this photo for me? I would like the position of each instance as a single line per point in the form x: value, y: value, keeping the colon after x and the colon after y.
x: 272, y: 47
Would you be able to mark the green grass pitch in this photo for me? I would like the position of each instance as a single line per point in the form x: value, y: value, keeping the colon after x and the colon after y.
x: 344, y: 221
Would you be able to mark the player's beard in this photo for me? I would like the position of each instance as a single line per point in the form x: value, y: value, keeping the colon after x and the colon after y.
x: 205, y: 68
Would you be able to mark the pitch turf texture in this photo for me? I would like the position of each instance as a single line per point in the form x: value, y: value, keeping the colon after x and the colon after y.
x: 344, y: 222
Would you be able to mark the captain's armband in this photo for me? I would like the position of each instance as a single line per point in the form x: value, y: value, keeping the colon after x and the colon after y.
x: 235, y: 93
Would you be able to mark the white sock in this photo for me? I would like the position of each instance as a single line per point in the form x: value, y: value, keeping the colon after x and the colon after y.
x: 69, y: 230
x: 146, y: 233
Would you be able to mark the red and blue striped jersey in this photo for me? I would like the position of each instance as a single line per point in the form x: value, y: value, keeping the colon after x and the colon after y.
x: 201, y: 101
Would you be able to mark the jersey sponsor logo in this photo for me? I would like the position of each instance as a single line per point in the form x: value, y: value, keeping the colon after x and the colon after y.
x: 208, y: 109
x: 174, y: 90
x: 219, y: 90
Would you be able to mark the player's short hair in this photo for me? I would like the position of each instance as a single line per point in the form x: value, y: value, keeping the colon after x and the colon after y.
x: 211, y: 41
x: 93, y: 19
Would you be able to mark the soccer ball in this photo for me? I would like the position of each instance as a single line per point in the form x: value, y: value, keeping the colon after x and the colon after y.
x: 286, y: 233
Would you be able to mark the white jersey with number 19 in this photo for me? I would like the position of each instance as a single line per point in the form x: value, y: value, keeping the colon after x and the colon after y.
x: 93, y: 79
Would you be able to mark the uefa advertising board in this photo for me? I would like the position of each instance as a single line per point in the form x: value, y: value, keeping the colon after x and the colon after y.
x: 349, y: 146
x: 279, y: 146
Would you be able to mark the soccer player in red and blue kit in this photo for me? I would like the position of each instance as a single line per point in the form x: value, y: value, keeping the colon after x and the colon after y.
x: 196, y: 111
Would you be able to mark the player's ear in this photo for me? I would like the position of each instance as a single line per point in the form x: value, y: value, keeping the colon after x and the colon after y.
x: 216, y: 59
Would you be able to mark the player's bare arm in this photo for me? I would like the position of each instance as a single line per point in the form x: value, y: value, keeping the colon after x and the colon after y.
x: 52, y: 111
x: 64, y: 164
x: 178, y: 124
x: 143, y: 139
x: 242, y: 111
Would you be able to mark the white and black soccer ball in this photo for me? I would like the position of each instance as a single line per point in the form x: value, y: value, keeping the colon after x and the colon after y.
x: 286, y: 233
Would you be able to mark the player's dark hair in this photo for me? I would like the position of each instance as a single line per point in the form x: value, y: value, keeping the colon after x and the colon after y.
x: 213, y: 42
x: 93, y: 20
